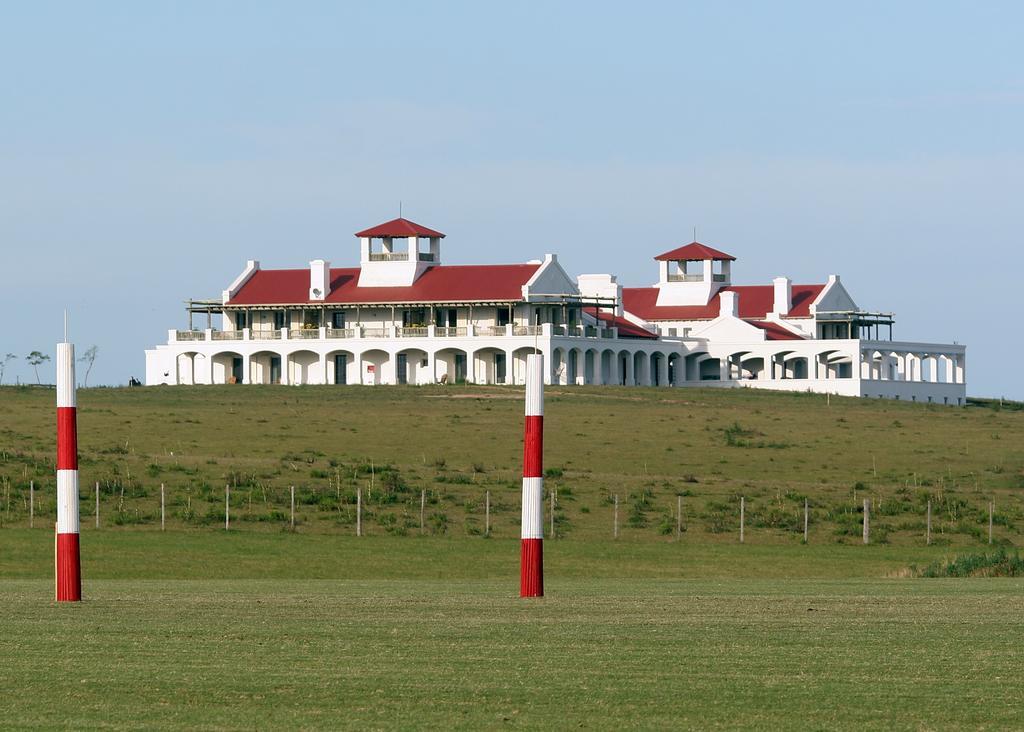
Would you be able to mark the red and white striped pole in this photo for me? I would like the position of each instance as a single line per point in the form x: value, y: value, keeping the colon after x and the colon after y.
x: 69, y: 569
x: 531, y: 577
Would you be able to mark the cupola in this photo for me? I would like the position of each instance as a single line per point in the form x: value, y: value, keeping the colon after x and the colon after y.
x: 396, y: 253
x: 692, y: 274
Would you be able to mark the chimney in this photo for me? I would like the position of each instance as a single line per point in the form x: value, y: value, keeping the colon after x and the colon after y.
x: 729, y: 303
x: 783, y: 296
x: 319, y: 279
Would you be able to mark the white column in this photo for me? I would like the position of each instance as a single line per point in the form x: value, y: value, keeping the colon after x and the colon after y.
x: 357, y: 361
x: 598, y: 376
x: 323, y: 368
x: 726, y: 369
x: 581, y: 367
x: 246, y: 368
x: 663, y: 370
x: 630, y: 380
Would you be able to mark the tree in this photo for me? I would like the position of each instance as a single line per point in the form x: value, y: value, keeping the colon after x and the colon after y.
x: 88, y: 357
x: 3, y: 365
x: 35, y: 360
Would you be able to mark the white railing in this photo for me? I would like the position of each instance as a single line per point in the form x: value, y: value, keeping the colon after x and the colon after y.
x: 412, y: 332
x: 266, y: 335
x: 340, y: 332
x: 688, y: 278
x: 450, y: 332
x: 426, y: 257
x: 303, y: 333
x: 389, y: 256
x: 190, y: 335
x: 226, y: 335
x: 375, y: 333
x: 528, y: 330
x: 491, y: 330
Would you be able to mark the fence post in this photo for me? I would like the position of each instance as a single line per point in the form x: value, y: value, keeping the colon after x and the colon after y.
x: 487, y: 514
x: 991, y: 510
x: 928, y: 525
x: 615, y: 520
x: 554, y: 492
x: 867, y: 521
x: 806, y: 517
x: 423, y: 506
x: 31, y: 503
x: 97, y: 504
x: 227, y: 507
x: 293, y: 509
x: 743, y: 512
x: 162, y: 513
x: 359, y: 510
x: 679, y: 517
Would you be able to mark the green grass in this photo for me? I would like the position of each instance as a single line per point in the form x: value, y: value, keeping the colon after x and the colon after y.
x: 647, y: 446
x: 263, y: 627
x: 391, y: 632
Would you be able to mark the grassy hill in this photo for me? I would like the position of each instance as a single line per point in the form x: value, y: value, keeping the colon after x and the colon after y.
x: 645, y: 446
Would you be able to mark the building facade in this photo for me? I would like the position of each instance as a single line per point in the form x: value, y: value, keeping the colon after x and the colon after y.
x: 404, y: 317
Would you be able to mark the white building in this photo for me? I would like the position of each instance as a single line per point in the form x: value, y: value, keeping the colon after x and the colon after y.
x: 402, y: 317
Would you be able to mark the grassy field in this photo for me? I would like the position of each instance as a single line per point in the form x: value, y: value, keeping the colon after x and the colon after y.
x: 262, y: 627
x: 231, y: 630
x: 646, y: 446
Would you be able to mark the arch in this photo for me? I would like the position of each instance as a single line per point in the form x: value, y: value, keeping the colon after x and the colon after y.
x: 709, y: 369
x: 592, y: 366
x: 609, y: 367
x: 489, y: 365
x: 185, y: 368
x: 375, y: 367
x: 412, y: 366
x: 226, y: 368
x: 517, y: 373
x: 304, y: 367
x: 625, y: 368
x: 451, y: 365
x: 266, y: 367
x: 574, y: 368
x: 342, y: 367
x: 676, y: 369
x: 795, y: 368
x: 751, y: 368
x: 641, y: 369
x: 559, y: 366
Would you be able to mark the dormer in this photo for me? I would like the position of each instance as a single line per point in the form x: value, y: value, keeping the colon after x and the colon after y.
x: 692, y: 274
x: 396, y: 253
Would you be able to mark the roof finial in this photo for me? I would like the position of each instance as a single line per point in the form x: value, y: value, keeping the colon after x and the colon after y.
x: 399, y: 208
x: 695, y: 233
x: 65, y: 325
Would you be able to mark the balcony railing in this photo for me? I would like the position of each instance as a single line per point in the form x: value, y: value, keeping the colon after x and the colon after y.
x: 412, y: 332
x: 303, y: 333
x: 450, y: 332
x: 389, y: 256
x: 426, y: 257
x: 387, y: 331
x: 527, y: 330
x: 718, y: 278
x: 686, y: 278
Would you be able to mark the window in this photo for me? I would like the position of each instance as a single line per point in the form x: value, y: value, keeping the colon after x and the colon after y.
x: 671, y: 332
x: 502, y: 317
x: 280, y: 319
x: 338, y: 319
x: 241, y: 321
x: 414, y: 318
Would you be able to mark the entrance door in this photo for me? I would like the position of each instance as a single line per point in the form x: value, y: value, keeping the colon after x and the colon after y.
x: 402, y: 364
x: 275, y: 369
x: 236, y: 369
x: 340, y: 368
x: 499, y: 368
x: 460, y: 368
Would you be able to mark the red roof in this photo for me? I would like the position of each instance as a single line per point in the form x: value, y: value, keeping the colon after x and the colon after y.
x: 627, y: 329
x: 399, y: 228
x: 775, y: 332
x: 459, y: 283
x: 756, y: 301
x: 692, y: 252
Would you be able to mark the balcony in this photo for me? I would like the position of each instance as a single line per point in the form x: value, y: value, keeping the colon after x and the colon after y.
x: 382, y: 331
x: 389, y: 256
x: 686, y: 278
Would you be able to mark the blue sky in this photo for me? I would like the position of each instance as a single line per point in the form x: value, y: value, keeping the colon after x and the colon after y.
x: 148, y: 149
